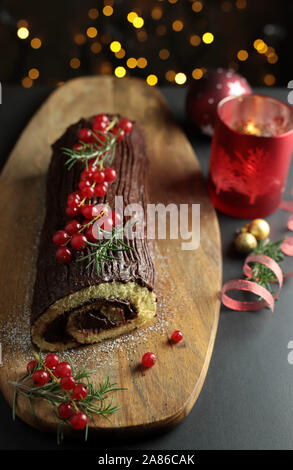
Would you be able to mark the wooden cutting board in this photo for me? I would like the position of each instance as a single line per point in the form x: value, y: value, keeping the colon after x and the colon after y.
x: 189, y: 282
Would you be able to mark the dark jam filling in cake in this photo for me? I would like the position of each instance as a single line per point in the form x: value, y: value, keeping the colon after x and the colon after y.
x: 93, y: 317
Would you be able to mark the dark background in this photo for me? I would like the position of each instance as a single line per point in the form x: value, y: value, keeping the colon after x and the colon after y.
x: 247, y: 399
x: 59, y: 30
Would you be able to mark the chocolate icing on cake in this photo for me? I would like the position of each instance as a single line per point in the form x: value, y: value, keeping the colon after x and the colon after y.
x: 55, y: 280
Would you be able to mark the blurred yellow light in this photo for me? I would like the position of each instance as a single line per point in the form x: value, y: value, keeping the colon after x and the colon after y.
x: 120, y: 54
x: 36, y: 43
x: 142, y: 62
x: 241, y: 4
x: 131, y: 15
x: 197, y: 6
x: 226, y: 6
x: 96, y: 47
x: 195, y: 40
x: 74, y: 63
x: 23, y: 33
x: 161, y: 30
x: 172, y: 1
x: 164, y: 54
x: 152, y: 80
x: 93, y: 13
x: 92, y: 32
x: 180, y: 78
x: 170, y: 75
x: 108, y: 10
x: 242, y: 55
x: 197, y: 74
x: 120, y: 72
x: 27, y: 82
x: 79, y: 39
x: 272, y: 58
x: 260, y: 46
x: 269, y: 79
x: 33, y: 73
x: 177, y: 25
x: 257, y: 42
x: 21, y: 23
x: 138, y: 22
x: 157, y: 13
x: 208, y: 38
x: 263, y: 50
x: 115, y: 46
x: 131, y: 63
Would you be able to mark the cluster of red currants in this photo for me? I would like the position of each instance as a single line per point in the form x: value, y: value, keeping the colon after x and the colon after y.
x: 94, y: 182
x: 101, y: 128
x: 61, y: 372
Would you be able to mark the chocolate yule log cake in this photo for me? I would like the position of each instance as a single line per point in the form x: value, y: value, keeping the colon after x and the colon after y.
x: 92, y: 282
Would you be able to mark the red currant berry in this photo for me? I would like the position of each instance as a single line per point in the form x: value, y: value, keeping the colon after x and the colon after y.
x: 78, y: 420
x: 72, y: 211
x: 73, y: 226
x: 84, y: 184
x: 63, y: 369
x: 119, y: 133
x: 65, y: 410
x: 98, y: 176
x: 99, y: 126
x: 94, y: 234
x: 106, y: 223
x: 83, y: 175
x: 149, y: 359
x: 67, y: 383
x: 102, y: 209
x: 63, y: 254
x: 88, y: 192
x: 78, y: 241
x: 100, y: 190
x: 101, y: 117
x: 31, y: 366
x: 84, y: 135
x: 80, y: 392
x: 110, y: 175
x: 101, y: 140
x: 176, y: 336
x: 126, y: 125
x: 89, y: 211
x: 60, y: 237
x: 40, y: 377
x: 116, y: 218
x: 73, y: 197
x: 77, y: 147
x: 73, y: 203
x: 51, y: 360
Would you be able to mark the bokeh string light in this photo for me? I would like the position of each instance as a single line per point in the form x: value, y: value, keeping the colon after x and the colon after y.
x: 153, y: 32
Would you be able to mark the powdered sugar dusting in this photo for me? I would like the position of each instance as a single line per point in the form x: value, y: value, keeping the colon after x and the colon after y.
x: 15, y: 334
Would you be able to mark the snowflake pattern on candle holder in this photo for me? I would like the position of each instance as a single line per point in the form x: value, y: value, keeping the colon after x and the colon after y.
x: 243, y: 174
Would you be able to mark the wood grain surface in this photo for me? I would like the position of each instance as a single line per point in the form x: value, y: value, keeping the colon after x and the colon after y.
x: 189, y: 282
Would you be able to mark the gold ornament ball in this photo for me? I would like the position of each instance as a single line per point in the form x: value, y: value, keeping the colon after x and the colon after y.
x: 245, y: 242
x: 259, y: 228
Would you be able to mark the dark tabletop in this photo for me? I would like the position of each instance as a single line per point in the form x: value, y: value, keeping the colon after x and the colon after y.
x: 247, y: 399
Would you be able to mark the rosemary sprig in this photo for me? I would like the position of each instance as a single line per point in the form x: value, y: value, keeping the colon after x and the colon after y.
x: 99, y: 151
x: 260, y: 273
x: 104, y: 248
x: 96, y: 402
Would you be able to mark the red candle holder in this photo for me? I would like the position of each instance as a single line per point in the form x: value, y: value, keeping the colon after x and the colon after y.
x: 250, y: 157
